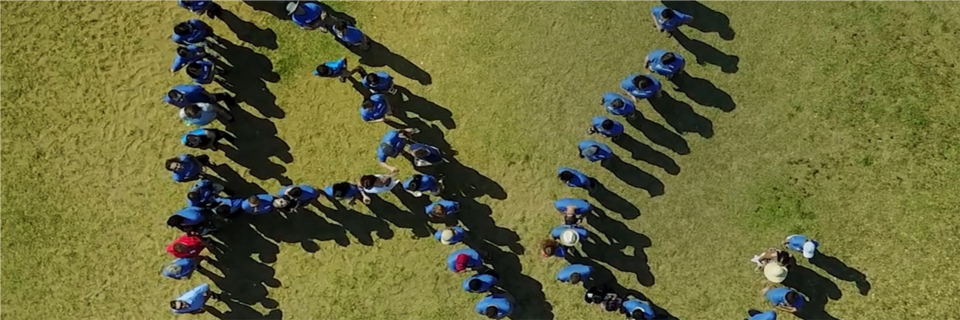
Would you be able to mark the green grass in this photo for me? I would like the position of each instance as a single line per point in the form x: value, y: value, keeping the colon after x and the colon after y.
x: 844, y: 128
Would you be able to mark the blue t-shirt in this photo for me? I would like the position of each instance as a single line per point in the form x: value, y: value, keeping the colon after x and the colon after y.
x: 582, y: 206
x: 566, y: 272
x: 190, y: 168
x: 614, y: 131
x: 504, y: 307
x: 265, y: 205
x: 474, y: 261
x: 433, y: 154
x: 488, y: 281
x: 666, y: 69
x: 207, y: 114
x: 191, y: 216
x: 633, y: 304
x: 386, y: 81
x: 581, y: 231
x: 427, y: 183
x: 307, y: 193
x: 769, y: 315
x: 207, y: 192
x: 450, y: 207
x: 351, y: 193
x: 187, y: 265
x: 235, y: 203
x: 379, y: 110
x: 795, y: 242
x: 194, y: 6
x: 390, y: 146
x: 352, y: 36
x: 197, y: 35
x: 197, y: 132
x: 308, y: 13
x: 679, y: 18
x: 579, y: 180
x: 336, y: 67
x: 458, y: 235
x: 637, y: 92
x: 628, y: 106
x: 778, y: 297
x: 206, y: 72
x: 193, y: 53
x: 603, y: 151
x: 192, y: 93
x: 194, y: 298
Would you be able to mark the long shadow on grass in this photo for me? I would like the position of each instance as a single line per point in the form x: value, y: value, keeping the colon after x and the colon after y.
x: 249, y: 32
x: 425, y: 109
x: 275, y: 8
x: 378, y: 56
x: 640, y: 151
x: 256, y: 145
x: 818, y: 290
x: 659, y: 134
x: 602, y: 277
x: 703, y: 92
x: 706, y: 53
x: 620, y: 237
x: 614, y: 202
x: 842, y: 271
x: 634, y: 176
x: 681, y: 116
x: 412, y: 219
x: 531, y: 302
x: 704, y: 18
x: 359, y: 225
x: 247, y: 78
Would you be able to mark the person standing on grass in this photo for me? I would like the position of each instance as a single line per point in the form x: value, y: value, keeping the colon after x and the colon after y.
x: 450, y: 235
x: 203, y: 71
x: 637, y: 309
x: 481, y: 282
x: 180, y: 268
x: 665, y: 63
x: 767, y: 315
x: 189, y: 220
x: 377, y: 183
x: 581, y: 232
x: 392, y: 144
x: 425, y: 155
x: 205, y: 138
x: 192, y: 31
x: 187, y: 167
x: 619, y: 105
x: 573, y: 178
x: 202, y: 113
x: 187, y: 55
x: 378, y: 82
x: 423, y: 183
x: 298, y: 195
x: 594, y: 151
x: 187, y: 246
x: 375, y: 108
x: 185, y: 94
x: 799, y: 242
x: 193, y: 301
x: 307, y: 15
x: 202, y: 193
x: 784, y: 299
x: 606, y: 127
x: 442, y: 208
x: 200, y: 7
x: 336, y: 69
x: 495, y: 306
x: 668, y: 20
x: 346, y: 191
x: 575, y: 208
x: 228, y: 207
x: 258, y: 204
x: 463, y: 260
x: 641, y: 86
x: 574, y: 273
x: 350, y: 36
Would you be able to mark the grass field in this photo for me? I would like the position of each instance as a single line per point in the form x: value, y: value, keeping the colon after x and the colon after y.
x: 838, y: 120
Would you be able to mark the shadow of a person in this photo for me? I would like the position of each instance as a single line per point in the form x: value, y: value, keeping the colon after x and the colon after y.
x: 614, y: 202
x: 247, y: 76
x: 249, y: 32
x: 634, y: 176
x: 841, y: 271
x: 240, y: 311
x: 359, y: 225
x: 620, y: 237
x: 416, y: 221
x: 424, y: 108
x: 602, y: 277
x: 703, y: 92
x: 659, y: 134
x: 379, y: 55
x: 681, y: 116
x: 256, y: 143
x: 706, y: 53
x: 276, y: 8
x: 816, y: 288
x: 643, y: 152
x: 704, y: 18
x: 531, y: 302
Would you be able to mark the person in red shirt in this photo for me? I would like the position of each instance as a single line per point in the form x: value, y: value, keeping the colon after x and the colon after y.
x: 187, y: 246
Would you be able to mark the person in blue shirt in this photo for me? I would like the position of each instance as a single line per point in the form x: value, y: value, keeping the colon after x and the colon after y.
x: 299, y: 195
x: 450, y: 235
x: 375, y: 108
x: 581, y: 231
x: 668, y: 20
x: 574, y: 273
x: 203, y: 71
x: 638, y: 309
x: 641, y: 86
x: 552, y: 248
x: 594, y: 151
x: 187, y: 167
x: 606, y: 127
x: 767, y: 315
x: 573, y: 178
x: 425, y: 155
x: 258, y: 204
x: 185, y: 94
x: 422, y: 183
x: 799, y: 242
x: 378, y: 82
x: 784, y: 299
x: 201, y: 7
x: 481, y: 282
x: 205, y: 138
x: 495, y: 306
x: 192, y: 31
x: 572, y: 209
x: 189, y: 219
x: 193, y: 301
x: 307, y: 15
x: 336, y: 69
x: 442, y: 208
x: 202, y: 113
x: 350, y: 35
x: 202, y: 193
x: 180, y: 268
x: 344, y: 191
x: 665, y: 63
x: 228, y: 207
x: 464, y: 259
x: 619, y: 105
x: 186, y: 55
x: 392, y: 144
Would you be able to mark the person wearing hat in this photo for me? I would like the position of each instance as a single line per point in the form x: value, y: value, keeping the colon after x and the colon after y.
x: 774, y: 272
x: 606, y: 127
x: 203, y: 71
x: 298, y: 195
x: 774, y: 255
x: 425, y: 155
x: 375, y: 108
x: 464, y: 259
x: 258, y: 204
x: 594, y: 151
x: 336, y: 69
x: 189, y: 219
x: 572, y: 208
x: 185, y: 94
x: 495, y: 306
x: 784, y: 299
x: 423, y: 183
x: 200, y: 7
x: 345, y: 191
x: 767, y: 315
x: 641, y: 86
x: 665, y: 63
x: 193, y: 301
x: 574, y: 178
x: 192, y: 31
x: 619, y: 105
x: 187, y: 246
x: 450, y: 235
x: 205, y: 138
x: 180, y: 268
x: 578, y: 230
x: 187, y: 167
x: 637, y: 309
x: 574, y: 273
x: 307, y: 15
x: 202, y: 113
x: 378, y: 82
x: 392, y: 144
x: 442, y: 208
x: 481, y: 282
x: 668, y: 20
x: 186, y: 55
x: 799, y: 242
x: 350, y: 35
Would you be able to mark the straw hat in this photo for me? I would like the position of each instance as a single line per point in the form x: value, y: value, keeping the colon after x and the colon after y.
x: 445, y: 236
x: 775, y: 272
x: 569, y: 237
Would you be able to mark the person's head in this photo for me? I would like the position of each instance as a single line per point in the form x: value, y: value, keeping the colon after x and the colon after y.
x: 192, y: 111
x: 570, y: 210
x: 182, y: 29
x: 254, y: 201
x: 606, y: 124
x: 491, y: 312
x: 791, y: 297
x: 668, y: 57
x: 809, y: 249
x: 182, y: 51
x: 611, y: 305
x: 368, y: 181
x: 172, y: 164
x: 194, y: 69
x: 414, y: 184
x: 372, y: 78
x: 281, y: 203
x: 340, y: 26
x: 570, y: 219
x: 589, y: 151
x: 175, y: 95
x: 460, y: 263
x: 294, y: 192
x: 566, y: 176
x: 194, y: 196
x: 388, y: 149
x: 175, y: 221
x: 617, y: 103
x: 548, y: 247
x: 341, y: 189
x: 367, y: 104
x: 667, y: 14
x: 475, y: 284
x: 179, y: 248
x: 222, y: 210
x: 637, y: 314
x: 438, y: 211
x: 194, y: 141
x: 323, y: 70
x: 642, y: 82
x: 446, y: 236
x: 575, y: 278
x: 177, y: 305
x: 421, y: 153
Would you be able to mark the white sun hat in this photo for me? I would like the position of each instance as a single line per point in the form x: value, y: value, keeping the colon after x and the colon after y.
x: 809, y: 248
x: 445, y: 236
x: 569, y: 237
x: 775, y: 272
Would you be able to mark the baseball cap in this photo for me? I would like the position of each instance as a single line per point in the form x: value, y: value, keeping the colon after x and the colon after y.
x: 809, y: 248
x: 774, y: 272
x: 569, y: 237
x: 445, y: 236
x: 461, y: 263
